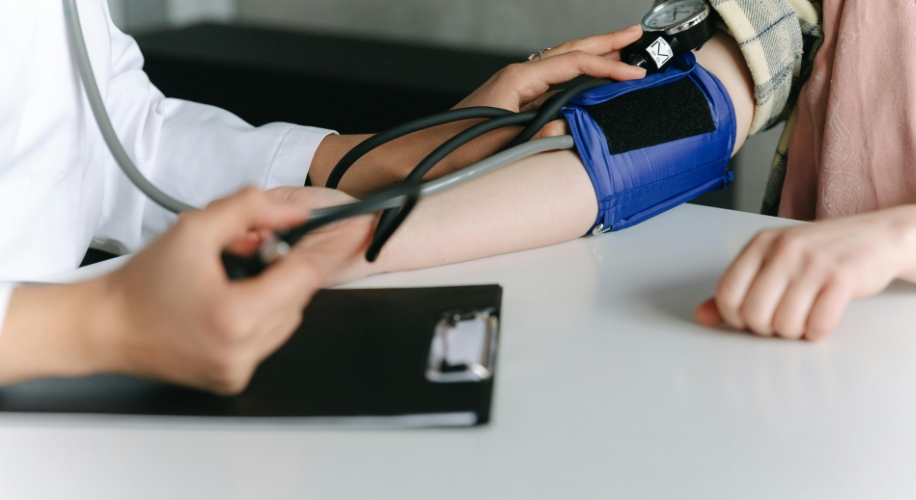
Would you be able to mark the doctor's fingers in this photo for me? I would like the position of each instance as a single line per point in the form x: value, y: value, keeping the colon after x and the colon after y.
x: 287, y: 284
x: 229, y: 219
x: 316, y: 261
x: 735, y: 283
x: 532, y: 80
x: 269, y: 307
x: 564, y: 67
x: 230, y: 370
x: 537, y: 102
x: 600, y: 44
x: 310, y: 198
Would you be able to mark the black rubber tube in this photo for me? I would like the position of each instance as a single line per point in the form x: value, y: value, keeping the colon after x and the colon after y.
x: 371, y: 204
x: 551, y: 109
x: 393, y: 217
x: 463, y: 138
x: 399, y: 131
x: 389, y: 223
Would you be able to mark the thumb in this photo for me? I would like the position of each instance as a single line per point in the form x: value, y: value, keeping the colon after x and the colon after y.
x: 226, y: 220
x: 707, y: 314
x: 315, y: 262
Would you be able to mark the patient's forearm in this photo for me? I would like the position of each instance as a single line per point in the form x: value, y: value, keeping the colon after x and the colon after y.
x: 543, y: 200
x: 53, y: 331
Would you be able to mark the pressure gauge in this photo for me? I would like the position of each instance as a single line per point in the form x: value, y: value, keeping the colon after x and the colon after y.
x: 676, y: 16
x: 670, y: 29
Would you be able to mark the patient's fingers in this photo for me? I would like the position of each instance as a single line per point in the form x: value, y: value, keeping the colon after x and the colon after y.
x: 601, y: 44
x: 830, y: 306
x: 735, y: 283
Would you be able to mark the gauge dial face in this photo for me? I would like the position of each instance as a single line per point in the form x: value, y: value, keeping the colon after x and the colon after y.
x: 671, y: 14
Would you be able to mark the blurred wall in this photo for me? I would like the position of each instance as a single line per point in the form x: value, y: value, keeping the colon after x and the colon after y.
x: 752, y: 169
x: 508, y: 26
x: 146, y: 15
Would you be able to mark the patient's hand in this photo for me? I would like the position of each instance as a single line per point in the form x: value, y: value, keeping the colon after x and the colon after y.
x: 171, y: 313
x: 797, y: 282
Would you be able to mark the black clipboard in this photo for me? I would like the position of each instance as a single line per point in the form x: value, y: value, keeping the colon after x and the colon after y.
x: 369, y: 357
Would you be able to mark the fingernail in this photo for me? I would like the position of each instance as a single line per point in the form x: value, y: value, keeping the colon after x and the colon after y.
x: 634, y: 28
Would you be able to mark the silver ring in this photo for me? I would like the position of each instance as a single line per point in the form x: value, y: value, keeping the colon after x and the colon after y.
x: 539, y: 54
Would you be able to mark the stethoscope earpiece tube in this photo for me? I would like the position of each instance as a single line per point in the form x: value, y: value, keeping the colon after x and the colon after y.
x: 84, y: 67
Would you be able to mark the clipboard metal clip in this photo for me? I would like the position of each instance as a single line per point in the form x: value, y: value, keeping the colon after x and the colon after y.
x: 464, y: 347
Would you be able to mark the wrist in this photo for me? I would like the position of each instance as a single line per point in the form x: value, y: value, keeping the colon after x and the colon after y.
x: 50, y: 332
x: 102, y: 323
x: 379, y: 168
x: 331, y: 150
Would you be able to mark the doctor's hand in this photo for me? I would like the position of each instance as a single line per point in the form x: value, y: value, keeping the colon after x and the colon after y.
x: 353, y: 264
x: 798, y: 282
x: 181, y: 320
x: 171, y: 313
x: 523, y: 86
x: 526, y: 85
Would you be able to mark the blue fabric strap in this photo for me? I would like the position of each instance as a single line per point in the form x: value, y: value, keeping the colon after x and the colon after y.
x: 639, y: 184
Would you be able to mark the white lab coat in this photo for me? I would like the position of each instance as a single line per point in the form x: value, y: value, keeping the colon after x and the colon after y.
x: 61, y: 191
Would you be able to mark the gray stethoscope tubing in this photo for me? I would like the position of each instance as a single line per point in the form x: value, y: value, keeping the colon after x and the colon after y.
x: 467, y: 174
x: 84, y: 67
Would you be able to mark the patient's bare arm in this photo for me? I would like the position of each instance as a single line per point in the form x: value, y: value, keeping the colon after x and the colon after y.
x: 536, y: 202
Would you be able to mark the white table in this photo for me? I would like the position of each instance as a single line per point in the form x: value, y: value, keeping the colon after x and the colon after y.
x: 605, y: 389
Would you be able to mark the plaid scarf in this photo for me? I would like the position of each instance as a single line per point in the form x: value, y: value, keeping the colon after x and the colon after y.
x: 779, y: 40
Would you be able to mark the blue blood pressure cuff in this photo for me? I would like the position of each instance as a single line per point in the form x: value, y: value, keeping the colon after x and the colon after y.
x: 650, y: 145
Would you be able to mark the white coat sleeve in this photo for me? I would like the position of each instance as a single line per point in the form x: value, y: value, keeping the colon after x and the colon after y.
x: 192, y: 152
